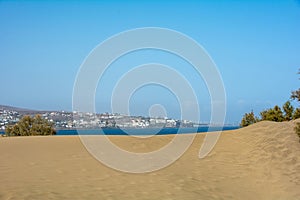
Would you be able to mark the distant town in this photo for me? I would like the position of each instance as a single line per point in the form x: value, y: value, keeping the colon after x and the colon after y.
x: 73, y: 120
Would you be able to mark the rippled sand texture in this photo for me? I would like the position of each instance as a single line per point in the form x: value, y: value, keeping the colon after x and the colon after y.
x: 257, y: 162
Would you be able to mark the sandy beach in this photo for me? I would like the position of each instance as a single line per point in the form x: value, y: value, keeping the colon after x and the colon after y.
x: 257, y: 162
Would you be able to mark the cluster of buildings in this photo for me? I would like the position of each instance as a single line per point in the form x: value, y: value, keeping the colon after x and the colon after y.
x: 70, y: 120
x: 115, y: 120
x: 8, y: 117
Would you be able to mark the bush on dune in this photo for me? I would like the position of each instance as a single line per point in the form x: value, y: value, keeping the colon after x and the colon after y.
x: 288, y: 110
x: 296, y: 114
x: 277, y: 114
x: 273, y: 114
x: 248, y: 119
x: 30, y: 126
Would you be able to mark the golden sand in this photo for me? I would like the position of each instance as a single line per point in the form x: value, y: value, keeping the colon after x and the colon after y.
x: 257, y: 162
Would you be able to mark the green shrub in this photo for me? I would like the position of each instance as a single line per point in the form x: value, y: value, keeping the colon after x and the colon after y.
x: 31, y: 126
x: 248, y: 119
x: 296, y: 114
x: 296, y: 95
x: 288, y: 111
x: 273, y: 114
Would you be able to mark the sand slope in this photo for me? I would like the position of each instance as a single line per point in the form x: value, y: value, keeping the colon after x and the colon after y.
x: 257, y: 162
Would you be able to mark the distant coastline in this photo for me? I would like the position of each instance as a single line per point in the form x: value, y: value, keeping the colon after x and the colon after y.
x: 66, y: 120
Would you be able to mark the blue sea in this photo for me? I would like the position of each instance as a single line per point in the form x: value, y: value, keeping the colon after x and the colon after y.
x: 141, y: 131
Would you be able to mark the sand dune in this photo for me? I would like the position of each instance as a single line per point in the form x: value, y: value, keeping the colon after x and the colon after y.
x: 257, y: 162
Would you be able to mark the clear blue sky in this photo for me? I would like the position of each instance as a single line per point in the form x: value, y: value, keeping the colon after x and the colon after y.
x: 255, y: 44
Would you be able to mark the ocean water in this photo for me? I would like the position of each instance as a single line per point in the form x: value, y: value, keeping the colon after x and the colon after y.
x: 141, y: 131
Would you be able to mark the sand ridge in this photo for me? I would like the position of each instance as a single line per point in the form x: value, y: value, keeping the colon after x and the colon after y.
x: 261, y: 161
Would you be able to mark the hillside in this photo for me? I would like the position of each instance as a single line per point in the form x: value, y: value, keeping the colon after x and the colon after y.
x: 23, y: 111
